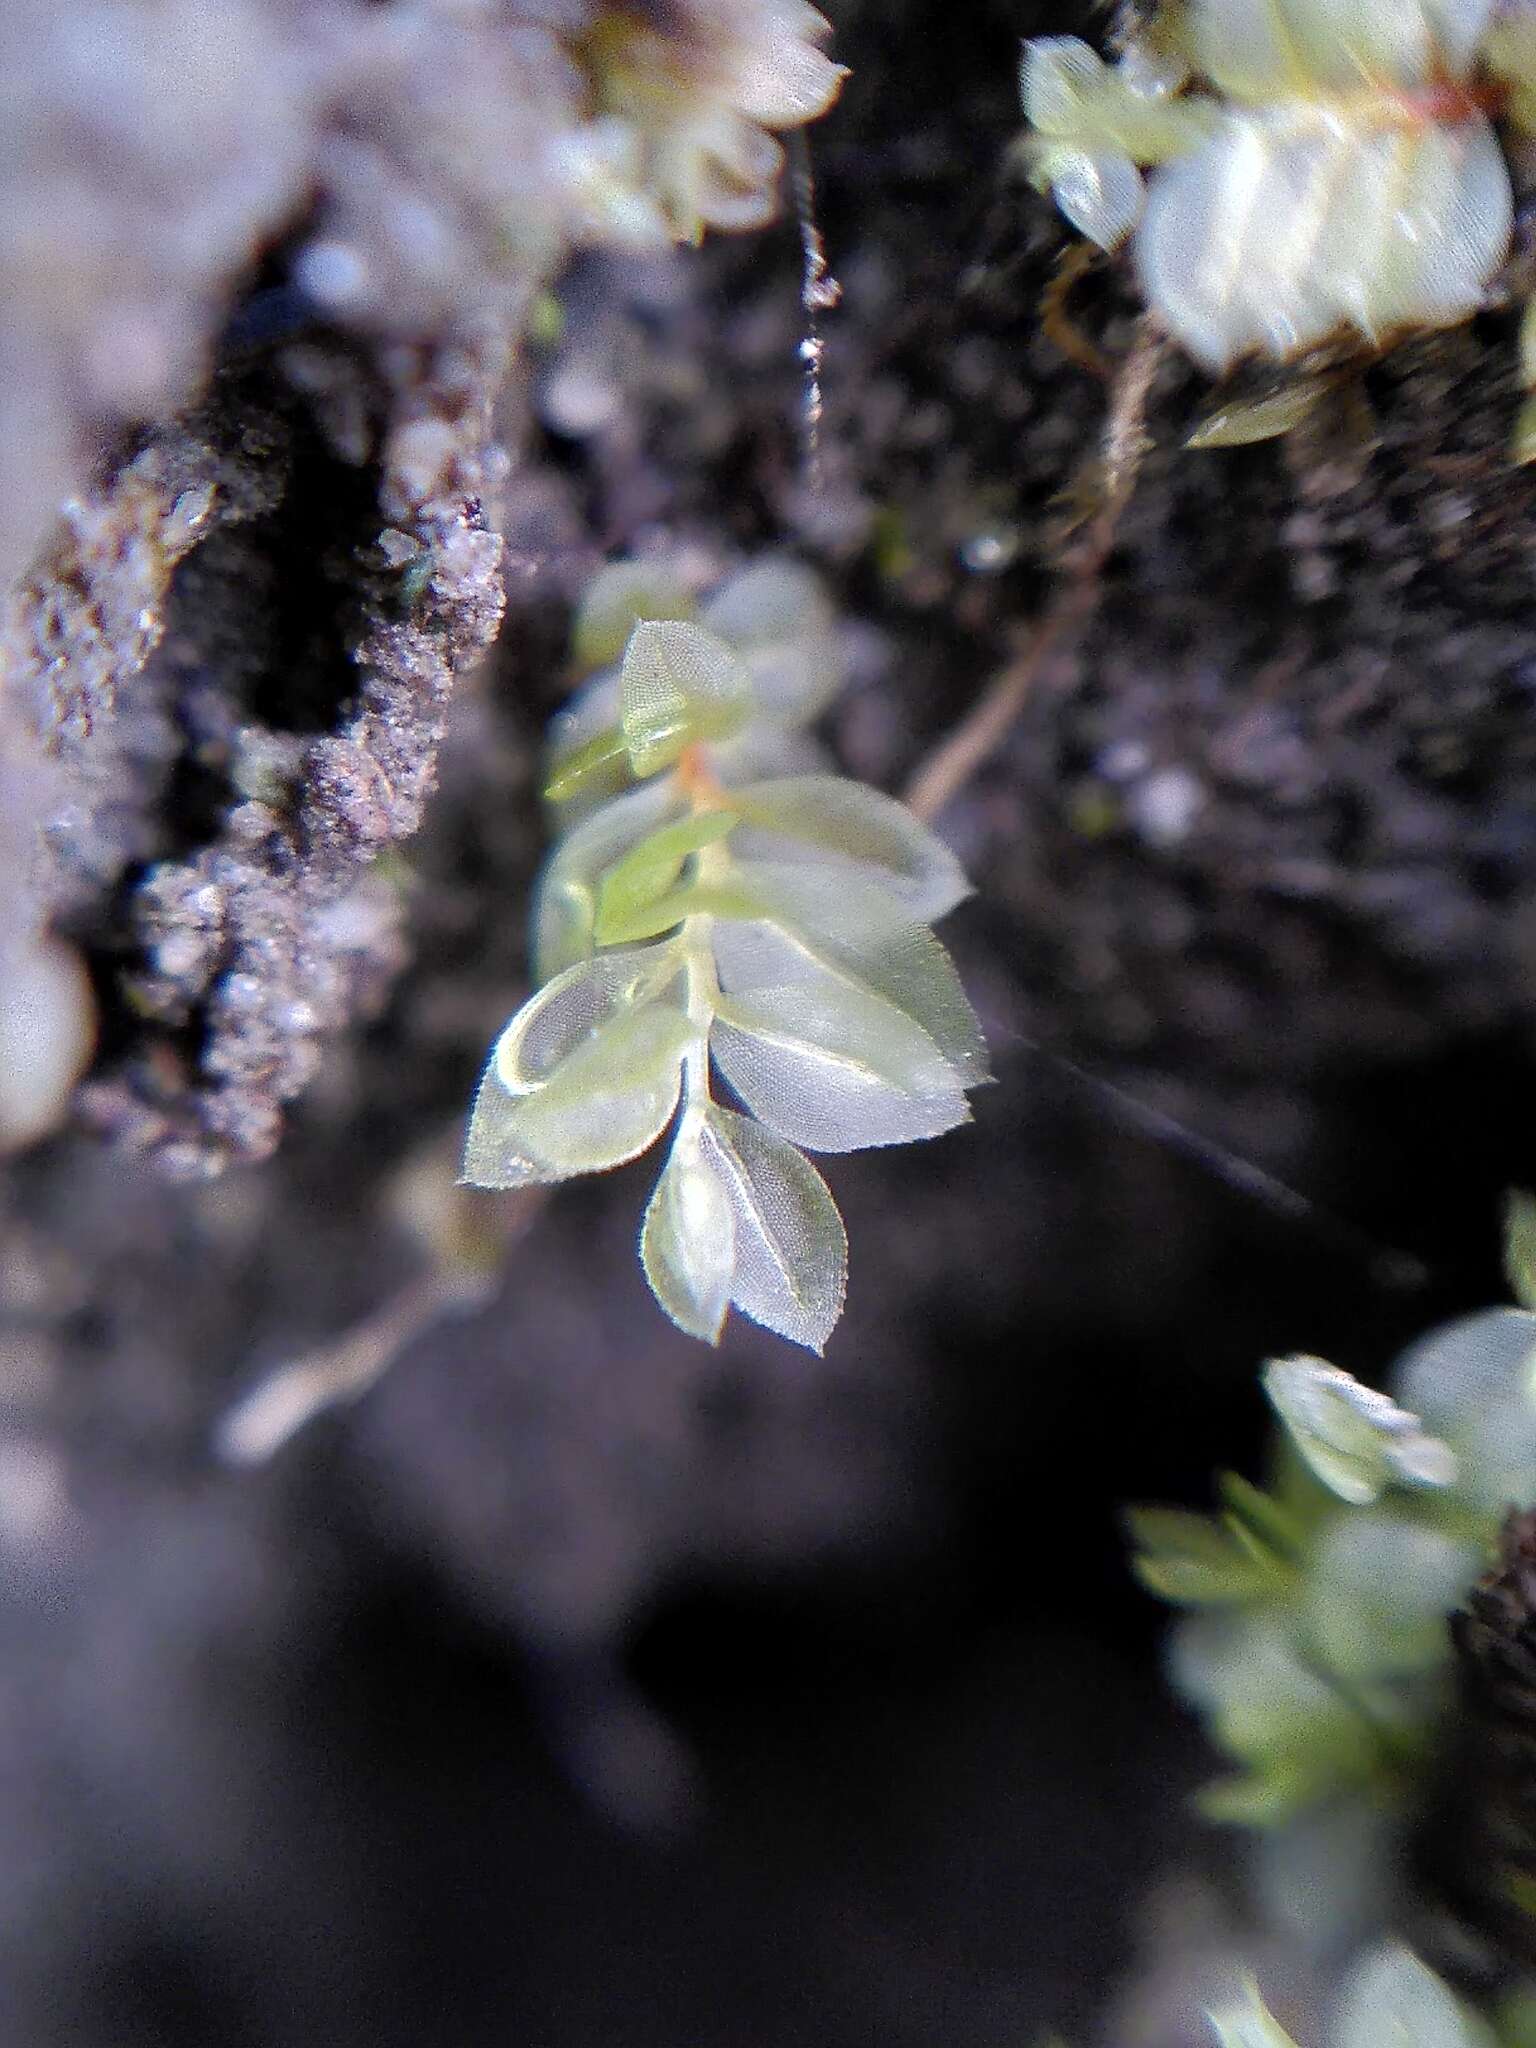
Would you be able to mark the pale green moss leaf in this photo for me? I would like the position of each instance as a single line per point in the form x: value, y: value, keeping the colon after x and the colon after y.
x: 1272, y: 1523
x: 650, y: 870
x: 828, y: 819
x: 1378, y: 1588
x: 833, y: 1068
x: 791, y: 1250
x: 1196, y: 1561
x: 606, y: 1102
x: 1355, y: 1439
x: 679, y: 684
x: 568, y: 1010
x: 794, y: 922
x: 594, y: 760
x: 1392, y: 2000
x: 565, y: 910
x: 1248, y: 2023
x: 1238, y: 422
x: 688, y: 1239
x: 1289, y: 223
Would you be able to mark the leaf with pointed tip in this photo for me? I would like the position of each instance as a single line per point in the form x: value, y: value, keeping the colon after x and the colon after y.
x: 565, y: 909
x: 1237, y: 422
x: 1391, y: 1998
x: 833, y: 1068
x: 1195, y: 1561
x: 791, y: 1249
x: 688, y: 1240
x: 560, y: 1016
x: 679, y: 683
x: 1273, y: 1524
x: 801, y: 921
x: 578, y: 769
x: 1355, y: 1439
x: 648, y: 871
x: 606, y: 1102
x: 832, y: 821
x: 1250, y: 2024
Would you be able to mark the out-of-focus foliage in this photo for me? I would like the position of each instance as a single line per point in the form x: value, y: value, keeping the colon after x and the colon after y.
x: 1319, y: 1655
x: 1319, y: 1652
x: 1318, y: 169
x: 1388, y: 2000
x: 773, y: 932
x: 1355, y: 1440
x: 680, y: 138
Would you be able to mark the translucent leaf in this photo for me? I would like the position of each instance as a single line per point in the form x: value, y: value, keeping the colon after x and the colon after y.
x: 1099, y: 190
x: 833, y: 1068
x: 788, y: 81
x: 769, y: 601
x: 794, y: 680
x: 1343, y: 44
x: 679, y: 683
x: 1392, y: 2001
x: 1272, y: 1522
x: 1071, y: 96
x: 565, y: 907
x: 1268, y: 1707
x: 1346, y: 45
x: 1520, y: 1246
x: 1242, y: 421
x: 1355, y: 1439
x: 1057, y: 75
x: 604, y: 1103
x: 592, y: 710
x: 827, y: 817
x: 1194, y: 1561
x: 1458, y: 31
x: 1291, y: 223
x: 591, y: 765
x: 616, y: 600
x: 554, y: 1021
x: 1267, y: 50
x: 777, y: 616
x: 789, y: 922
x: 1249, y: 2024
x: 1473, y: 1381
x: 649, y: 870
x: 1378, y: 1590
x: 1270, y: 1796
x: 1245, y: 47
x: 688, y: 1240
x: 791, y: 1250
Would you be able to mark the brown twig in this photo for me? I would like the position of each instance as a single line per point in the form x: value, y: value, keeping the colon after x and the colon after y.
x: 1057, y: 321
x: 466, y: 1235
x: 945, y: 772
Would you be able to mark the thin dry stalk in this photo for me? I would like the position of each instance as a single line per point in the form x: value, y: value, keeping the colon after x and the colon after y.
x: 951, y: 765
